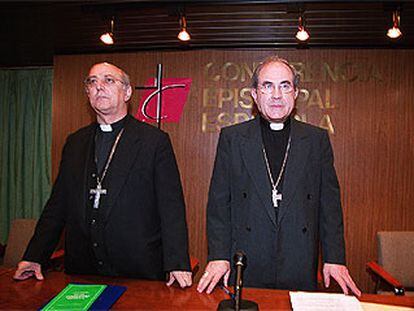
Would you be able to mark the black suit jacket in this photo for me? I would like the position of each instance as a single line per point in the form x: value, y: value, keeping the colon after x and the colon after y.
x: 143, y: 226
x: 240, y: 214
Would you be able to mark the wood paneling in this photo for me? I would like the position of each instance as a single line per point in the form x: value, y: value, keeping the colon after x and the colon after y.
x: 371, y: 110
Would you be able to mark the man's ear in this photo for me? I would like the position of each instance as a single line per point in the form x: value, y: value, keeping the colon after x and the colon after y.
x: 128, y: 93
x: 296, y: 93
x: 253, y: 92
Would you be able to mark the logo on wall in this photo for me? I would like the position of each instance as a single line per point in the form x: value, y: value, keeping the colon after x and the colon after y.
x: 174, y: 96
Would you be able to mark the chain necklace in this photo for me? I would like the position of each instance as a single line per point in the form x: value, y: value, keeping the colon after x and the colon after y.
x: 98, y: 191
x: 275, y: 195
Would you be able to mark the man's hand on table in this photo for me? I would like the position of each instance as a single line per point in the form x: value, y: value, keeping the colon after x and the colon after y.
x: 340, y: 274
x: 27, y: 269
x: 215, y: 270
x: 182, y: 277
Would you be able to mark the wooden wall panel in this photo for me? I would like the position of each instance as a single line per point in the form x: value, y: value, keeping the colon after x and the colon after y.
x: 366, y: 95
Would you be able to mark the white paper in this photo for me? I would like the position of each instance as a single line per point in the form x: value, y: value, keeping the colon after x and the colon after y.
x: 304, y: 301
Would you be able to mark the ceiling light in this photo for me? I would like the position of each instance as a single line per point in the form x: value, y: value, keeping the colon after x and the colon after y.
x: 108, y: 37
x: 302, y: 34
x: 395, y: 31
x: 183, y: 35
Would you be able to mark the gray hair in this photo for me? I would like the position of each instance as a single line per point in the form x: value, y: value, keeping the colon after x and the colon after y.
x: 274, y: 59
x: 124, y: 76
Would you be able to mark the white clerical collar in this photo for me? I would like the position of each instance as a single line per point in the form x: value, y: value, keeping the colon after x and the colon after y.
x: 275, y: 126
x: 105, y: 127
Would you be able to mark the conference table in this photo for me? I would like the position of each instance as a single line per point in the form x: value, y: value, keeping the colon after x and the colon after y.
x: 148, y: 295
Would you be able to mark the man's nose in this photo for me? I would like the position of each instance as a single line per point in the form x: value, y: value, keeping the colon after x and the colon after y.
x: 99, y: 85
x: 276, y: 92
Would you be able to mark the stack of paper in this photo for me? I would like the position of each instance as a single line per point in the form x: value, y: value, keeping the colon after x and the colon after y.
x: 304, y: 301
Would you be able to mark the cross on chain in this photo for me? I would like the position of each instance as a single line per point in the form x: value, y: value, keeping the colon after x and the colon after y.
x: 275, y: 197
x: 97, y: 192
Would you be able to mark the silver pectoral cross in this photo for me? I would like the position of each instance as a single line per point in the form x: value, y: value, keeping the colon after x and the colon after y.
x: 275, y: 197
x: 97, y: 192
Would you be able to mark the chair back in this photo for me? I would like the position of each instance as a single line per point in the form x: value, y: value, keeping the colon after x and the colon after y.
x: 396, y: 254
x: 20, y: 233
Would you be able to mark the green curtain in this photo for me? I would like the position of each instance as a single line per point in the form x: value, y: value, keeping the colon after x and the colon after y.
x: 25, y: 144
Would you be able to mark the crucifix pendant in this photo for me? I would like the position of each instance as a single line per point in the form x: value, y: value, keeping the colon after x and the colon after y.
x: 275, y: 197
x: 97, y: 192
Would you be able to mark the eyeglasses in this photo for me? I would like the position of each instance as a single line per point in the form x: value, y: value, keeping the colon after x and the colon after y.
x: 268, y: 87
x: 107, y: 81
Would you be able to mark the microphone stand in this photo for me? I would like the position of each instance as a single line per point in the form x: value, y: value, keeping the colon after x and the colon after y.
x: 238, y: 304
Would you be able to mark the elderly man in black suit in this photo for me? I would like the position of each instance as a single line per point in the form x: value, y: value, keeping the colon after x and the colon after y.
x: 118, y: 195
x: 274, y: 194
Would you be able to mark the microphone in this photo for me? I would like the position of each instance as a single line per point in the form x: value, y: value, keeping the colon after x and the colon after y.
x: 237, y: 303
x: 240, y: 262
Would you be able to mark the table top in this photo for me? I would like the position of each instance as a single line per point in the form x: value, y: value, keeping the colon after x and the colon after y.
x: 148, y: 295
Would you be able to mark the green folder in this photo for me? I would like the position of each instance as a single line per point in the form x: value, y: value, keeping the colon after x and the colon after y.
x: 75, y: 297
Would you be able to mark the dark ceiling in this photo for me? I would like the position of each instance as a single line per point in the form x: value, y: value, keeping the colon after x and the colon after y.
x: 32, y: 32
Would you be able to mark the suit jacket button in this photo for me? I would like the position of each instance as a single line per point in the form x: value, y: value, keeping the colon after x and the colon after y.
x: 304, y: 229
x: 309, y: 196
x: 244, y: 194
x: 100, y: 262
x: 248, y: 228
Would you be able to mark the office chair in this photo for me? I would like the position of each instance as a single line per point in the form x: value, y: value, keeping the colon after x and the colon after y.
x: 21, y: 231
x: 395, y: 266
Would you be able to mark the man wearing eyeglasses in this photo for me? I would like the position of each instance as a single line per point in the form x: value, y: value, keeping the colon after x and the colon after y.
x: 274, y: 194
x: 118, y: 195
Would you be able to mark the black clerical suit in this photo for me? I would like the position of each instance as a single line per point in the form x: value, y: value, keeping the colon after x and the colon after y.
x: 282, y: 245
x: 139, y: 229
